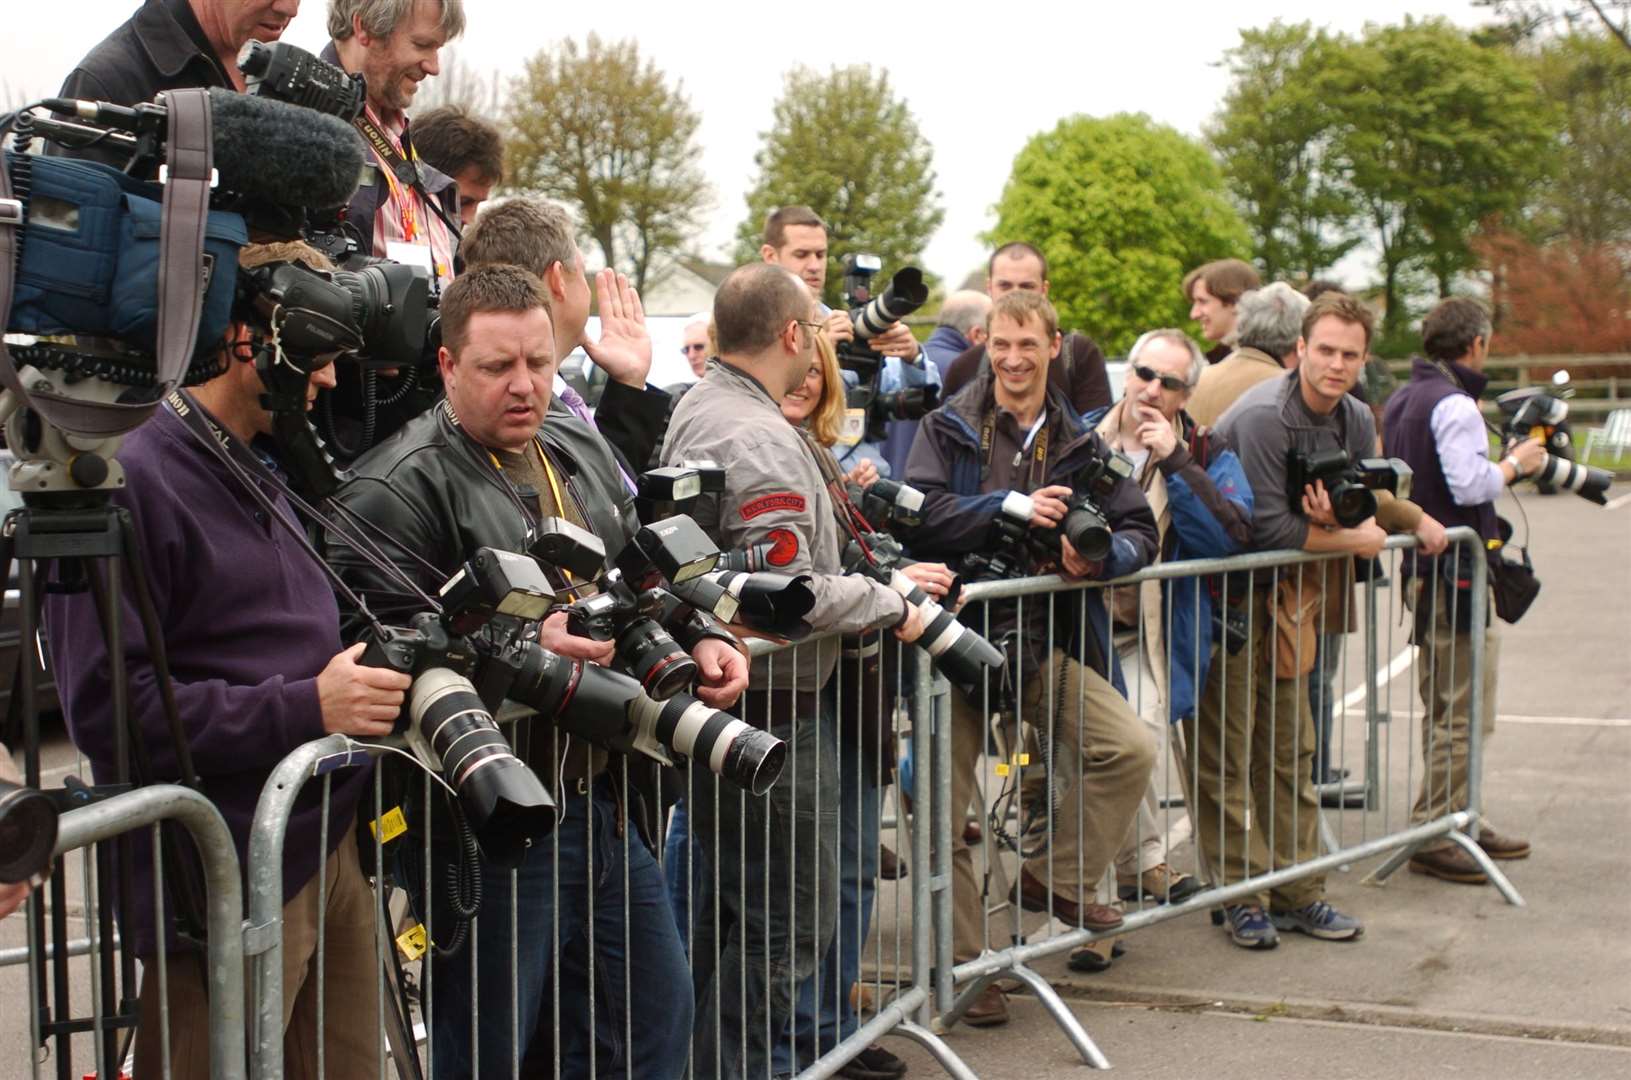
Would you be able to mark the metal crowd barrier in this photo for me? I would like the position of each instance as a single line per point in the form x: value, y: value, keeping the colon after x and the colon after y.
x: 98, y: 823
x: 1293, y: 833
x: 798, y: 953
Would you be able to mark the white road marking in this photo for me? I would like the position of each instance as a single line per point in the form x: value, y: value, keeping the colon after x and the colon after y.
x: 1616, y: 503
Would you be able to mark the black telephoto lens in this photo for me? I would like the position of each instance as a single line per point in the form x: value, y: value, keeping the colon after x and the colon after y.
x: 1087, y: 531
x: 655, y: 659
x: 507, y: 806
x: 28, y: 833
x: 1352, y: 504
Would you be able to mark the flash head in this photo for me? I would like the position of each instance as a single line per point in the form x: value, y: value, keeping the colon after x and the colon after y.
x: 677, y: 547
x: 569, y: 548
x: 493, y: 583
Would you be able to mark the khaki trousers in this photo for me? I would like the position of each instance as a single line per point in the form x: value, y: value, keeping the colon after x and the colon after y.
x: 1102, y: 760
x: 1444, y: 678
x: 1251, y: 747
x: 351, y: 1029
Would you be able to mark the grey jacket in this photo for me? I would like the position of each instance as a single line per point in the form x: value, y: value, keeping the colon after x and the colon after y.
x: 775, y: 491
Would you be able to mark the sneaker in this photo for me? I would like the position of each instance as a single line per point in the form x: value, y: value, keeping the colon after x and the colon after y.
x: 874, y: 1063
x: 1319, y: 920
x: 1250, y: 928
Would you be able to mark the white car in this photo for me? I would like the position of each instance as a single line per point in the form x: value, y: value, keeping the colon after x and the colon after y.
x: 668, y: 363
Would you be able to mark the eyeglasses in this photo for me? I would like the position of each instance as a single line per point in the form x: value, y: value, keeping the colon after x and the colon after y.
x: 689, y: 349
x: 813, y: 327
x: 1168, y: 382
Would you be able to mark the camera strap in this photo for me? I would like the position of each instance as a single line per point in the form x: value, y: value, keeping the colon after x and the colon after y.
x: 1037, y: 439
x: 402, y: 167
x: 182, y: 274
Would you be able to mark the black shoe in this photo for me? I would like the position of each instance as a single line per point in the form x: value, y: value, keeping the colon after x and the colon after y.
x: 1336, y: 799
x: 874, y: 1063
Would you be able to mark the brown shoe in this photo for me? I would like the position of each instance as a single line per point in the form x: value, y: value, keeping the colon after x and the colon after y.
x: 891, y: 867
x: 1449, y: 863
x: 990, y: 1009
x: 972, y: 833
x: 1031, y: 895
x: 1497, y: 846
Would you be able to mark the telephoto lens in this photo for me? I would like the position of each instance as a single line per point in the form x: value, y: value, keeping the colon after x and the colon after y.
x: 1086, y: 530
x: 608, y: 708
x: 1586, y: 481
x: 962, y: 655
x: 507, y: 806
x: 905, y: 293
x: 769, y: 603
x: 28, y: 833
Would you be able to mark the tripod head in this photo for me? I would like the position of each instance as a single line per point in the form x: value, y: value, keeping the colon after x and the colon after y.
x: 55, y: 467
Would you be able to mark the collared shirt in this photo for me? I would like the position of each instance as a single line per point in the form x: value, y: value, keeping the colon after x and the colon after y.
x: 1463, y: 451
x: 404, y: 218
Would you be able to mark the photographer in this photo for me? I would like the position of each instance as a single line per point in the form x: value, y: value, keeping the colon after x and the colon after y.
x: 173, y: 45
x: 1202, y: 505
x: 404, y: 210
x: 777, y: 490
x: 1433, y: 423
x: 538, y: 235
x: 253, y: 637
x: 1255, y: 709
x: 1009, y: 431
x: 456, y: 142
x: 795, y: 239
x: 482, y: 469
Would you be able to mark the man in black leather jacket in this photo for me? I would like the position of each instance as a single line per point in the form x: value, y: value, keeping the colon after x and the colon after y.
x: 480, y: 469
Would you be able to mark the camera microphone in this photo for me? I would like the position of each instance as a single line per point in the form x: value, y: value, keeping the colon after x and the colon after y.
x: 263, y: 149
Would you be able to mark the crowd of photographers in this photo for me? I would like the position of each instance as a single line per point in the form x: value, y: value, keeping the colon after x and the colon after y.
x: 486, y: 537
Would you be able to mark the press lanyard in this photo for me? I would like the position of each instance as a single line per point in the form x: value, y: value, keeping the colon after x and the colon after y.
x: 549, y: 474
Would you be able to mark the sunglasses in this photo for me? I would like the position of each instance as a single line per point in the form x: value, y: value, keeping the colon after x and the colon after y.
x: 1168, y: 382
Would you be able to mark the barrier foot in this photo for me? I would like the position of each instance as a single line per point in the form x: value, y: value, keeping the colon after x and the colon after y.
x: 936, y: 1046
x: 1380, y: 875
x: 1487, y: 865
x: 1091, y: 1055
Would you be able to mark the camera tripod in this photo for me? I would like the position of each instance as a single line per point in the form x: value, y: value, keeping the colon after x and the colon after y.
x: 69, y: 537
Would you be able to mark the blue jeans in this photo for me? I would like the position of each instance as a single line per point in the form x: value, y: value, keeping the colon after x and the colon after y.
x: 823, y: 1016
x: 585, y: 916
x: 679, y: 856
x: 774, y: 863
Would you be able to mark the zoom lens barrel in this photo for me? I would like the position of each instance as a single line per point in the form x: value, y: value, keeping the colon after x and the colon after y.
x: 961, y: 654
x: 747, y: 756
x: 905, y: 294
x: 28, y: 833
x: 1586, y: 481
x: 656, y: 659
x: 507, y: 806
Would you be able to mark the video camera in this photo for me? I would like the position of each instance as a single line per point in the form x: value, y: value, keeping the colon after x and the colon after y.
x: 870, y: 316
x: 1542, y: 412
x: 1352, y: 487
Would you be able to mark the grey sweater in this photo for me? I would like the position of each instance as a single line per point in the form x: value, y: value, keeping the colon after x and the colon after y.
x: 1270, y: 419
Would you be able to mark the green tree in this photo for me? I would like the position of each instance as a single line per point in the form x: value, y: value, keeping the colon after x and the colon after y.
x: 1435, y: 135
x: 602, y: 130
x: 843, y: 144
x: 1272, y: 136
x: 1122, y: 207
x: 1587, y: 197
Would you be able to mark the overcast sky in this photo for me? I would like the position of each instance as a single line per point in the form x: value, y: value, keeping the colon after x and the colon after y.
x: 978, y: 88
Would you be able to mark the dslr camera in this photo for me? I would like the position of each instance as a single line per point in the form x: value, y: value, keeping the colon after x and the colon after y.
x: 1352, y: 486
x: 1542, y: 412
x: 870, y: 316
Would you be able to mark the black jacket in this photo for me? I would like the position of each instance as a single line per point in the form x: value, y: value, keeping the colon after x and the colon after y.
x: 436, y: 496
x: 160, y: 47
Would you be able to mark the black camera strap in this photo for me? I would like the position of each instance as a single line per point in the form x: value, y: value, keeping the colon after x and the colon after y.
x: 1037, y: 471
x: 404, y: 166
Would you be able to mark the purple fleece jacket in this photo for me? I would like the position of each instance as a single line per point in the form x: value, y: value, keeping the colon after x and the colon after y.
x: 249, y: 621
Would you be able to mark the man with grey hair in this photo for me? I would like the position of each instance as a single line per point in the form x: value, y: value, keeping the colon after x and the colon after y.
x: 403, y: 210
x: 776, y: 921
x: 1267, y: 325
x: 1202, y: 505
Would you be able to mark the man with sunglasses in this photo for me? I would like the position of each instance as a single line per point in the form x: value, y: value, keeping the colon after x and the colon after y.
x: 1011, y: 431
x: 1202, y: 506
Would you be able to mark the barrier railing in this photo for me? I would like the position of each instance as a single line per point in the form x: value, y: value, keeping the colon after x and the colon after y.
x: 1244, y: 757
x: 102, y: 821
x: 796, y: 951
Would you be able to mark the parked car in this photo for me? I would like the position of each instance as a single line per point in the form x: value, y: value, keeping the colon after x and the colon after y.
x: 668, y: 363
